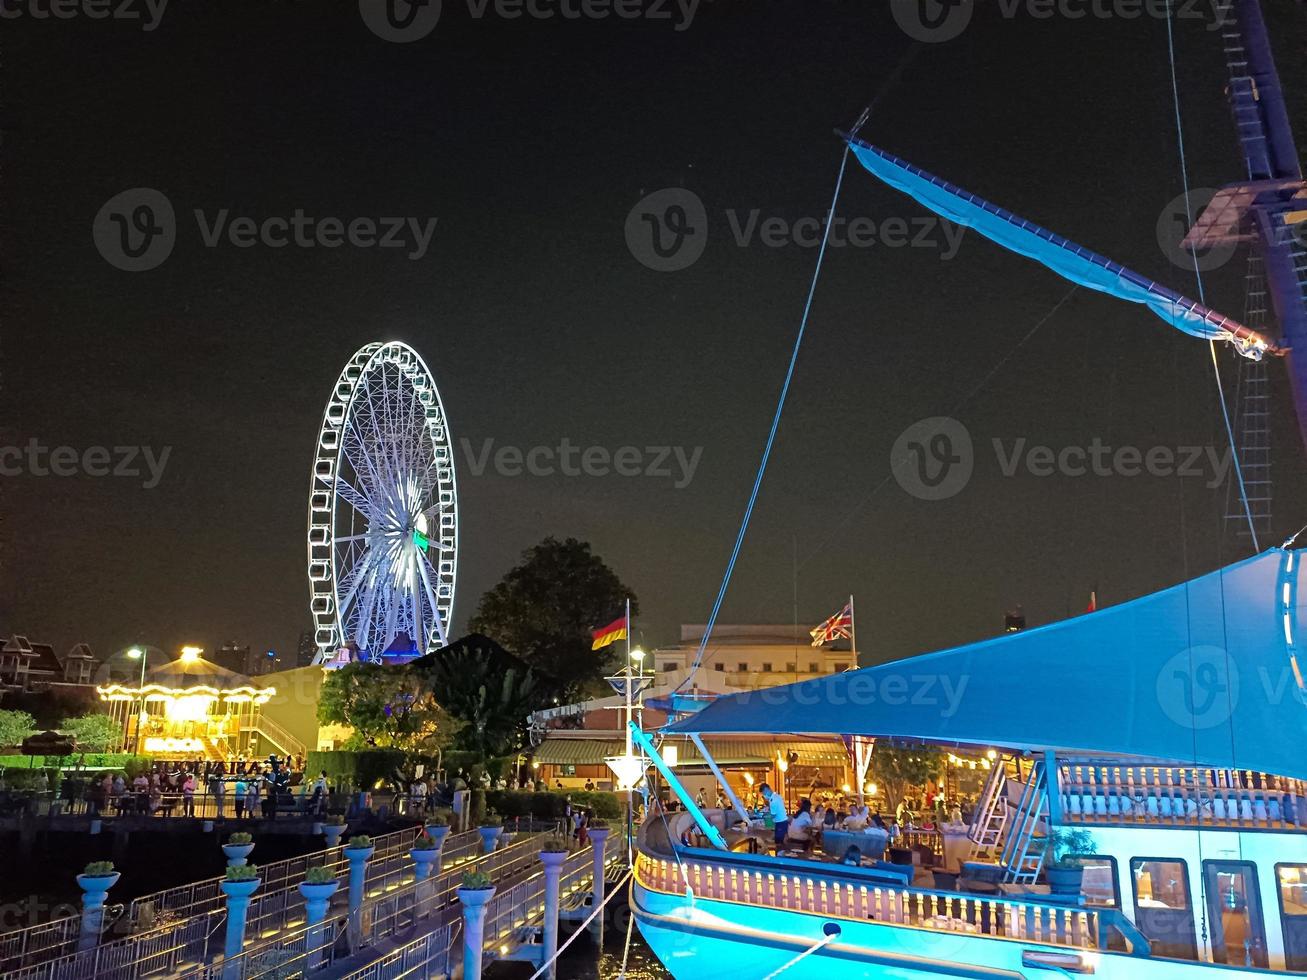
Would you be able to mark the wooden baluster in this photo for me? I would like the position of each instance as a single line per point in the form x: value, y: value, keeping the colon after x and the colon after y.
x: 863, y: 911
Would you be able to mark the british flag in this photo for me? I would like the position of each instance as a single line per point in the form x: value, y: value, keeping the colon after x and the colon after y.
x: 838, y: 627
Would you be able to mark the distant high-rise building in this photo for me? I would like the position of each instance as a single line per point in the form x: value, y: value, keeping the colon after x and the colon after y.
x: 233, y: 656
x: 306, y: 650
x: 267, y: 662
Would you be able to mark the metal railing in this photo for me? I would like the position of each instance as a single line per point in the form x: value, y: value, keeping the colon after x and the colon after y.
x: 519, y: 904
x: 275, y: 733
x: 198, y: 897
x: 831, y: 895
x: 48, y: 939
x: 428, y: 956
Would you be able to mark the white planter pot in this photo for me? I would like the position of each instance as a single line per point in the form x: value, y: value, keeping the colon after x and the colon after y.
x: 237, y: 854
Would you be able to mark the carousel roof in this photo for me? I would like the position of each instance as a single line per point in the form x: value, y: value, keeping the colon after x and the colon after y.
x: 193, y: 675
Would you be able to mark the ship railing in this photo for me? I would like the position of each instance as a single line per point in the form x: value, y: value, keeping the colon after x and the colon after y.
x: 1187, y: 796
x: 834, y: 895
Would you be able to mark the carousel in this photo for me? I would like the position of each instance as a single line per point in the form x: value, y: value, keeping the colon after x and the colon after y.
x: 188, y: 708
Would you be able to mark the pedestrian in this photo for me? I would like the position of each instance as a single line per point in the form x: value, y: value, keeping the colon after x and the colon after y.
x: 238, y: 797
x: 188, y: 795
x: 252, y: 796
x: 780, y: 818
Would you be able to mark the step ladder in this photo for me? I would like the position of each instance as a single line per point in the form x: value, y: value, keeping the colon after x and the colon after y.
x: 990, y: 818
x: 1024, y: 845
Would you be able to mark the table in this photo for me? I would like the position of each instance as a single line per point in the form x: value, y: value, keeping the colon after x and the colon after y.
x: 835, y: 843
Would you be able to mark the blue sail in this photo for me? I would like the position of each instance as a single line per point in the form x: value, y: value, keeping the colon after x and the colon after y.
x: 1069, y: 260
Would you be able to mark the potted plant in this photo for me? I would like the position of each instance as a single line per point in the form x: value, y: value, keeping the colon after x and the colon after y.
x: 238, y: 848
x: 241, y: 880
x: 334, y: 829
x: 476, y: 889
x: 359, y: 848
x: 553, y: 845
x: 490, y: 827
x: 319, y: 884
x: 1063, y: 865
x: 98, y: 877
x: 437, y: 826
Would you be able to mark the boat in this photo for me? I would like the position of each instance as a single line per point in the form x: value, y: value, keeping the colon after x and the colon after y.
x: 1170, y: 729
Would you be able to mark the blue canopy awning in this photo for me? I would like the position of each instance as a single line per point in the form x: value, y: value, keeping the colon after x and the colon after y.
x: 1204, y: 673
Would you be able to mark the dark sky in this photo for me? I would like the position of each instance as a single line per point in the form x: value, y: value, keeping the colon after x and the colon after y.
x: 530, y: 141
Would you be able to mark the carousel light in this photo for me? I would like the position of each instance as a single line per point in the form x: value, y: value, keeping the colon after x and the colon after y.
x: 846, y: 789
x: 872, y: 789
x: 191, y: 654
x: 991, y: 754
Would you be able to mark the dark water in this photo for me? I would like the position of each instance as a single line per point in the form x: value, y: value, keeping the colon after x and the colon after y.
x: 585, y: 959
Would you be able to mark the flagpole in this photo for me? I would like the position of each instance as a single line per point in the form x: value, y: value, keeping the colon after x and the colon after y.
x: 853, y: 631
x: 627, y: 685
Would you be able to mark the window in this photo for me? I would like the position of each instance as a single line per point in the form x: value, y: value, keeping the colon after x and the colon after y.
x: 1292, y: 882
x: 719, y: 666
x: 744, y: 668
x: 668, y: 668
x: 1099, y: 885
x: 814, y: 667
x: 1162, y: 909
x: 766, y: 668
x: 1234, y: 909
x: 790, y: 667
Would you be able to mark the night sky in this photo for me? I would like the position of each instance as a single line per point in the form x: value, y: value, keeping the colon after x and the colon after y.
x: 530, y: 141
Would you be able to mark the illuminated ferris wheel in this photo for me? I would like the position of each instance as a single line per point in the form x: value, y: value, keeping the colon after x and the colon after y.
x: 383, y: 509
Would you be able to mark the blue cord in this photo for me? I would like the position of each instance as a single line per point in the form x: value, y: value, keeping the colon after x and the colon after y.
x: 775, y: 425
x: 1198, y: 274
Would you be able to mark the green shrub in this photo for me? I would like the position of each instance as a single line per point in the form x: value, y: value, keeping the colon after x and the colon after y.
x: 98, y: 869
x: 598, y: 824
x: 438, y: 819
x: 491, y: 819
x: 242, y: 872
x: 319, y: 876
x: 476, y: 880
x: 240, y: 839
x: 553, y: 805
x: 359, y: 842
x: 425, y: 843
x: 336, y: 820
x: 553, y: 845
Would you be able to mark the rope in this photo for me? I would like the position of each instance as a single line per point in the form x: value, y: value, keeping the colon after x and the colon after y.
x: 1198, y: 272
x: 775, y: 426
x: 975, y: 390
x: 544, y: 967
x: 825, y: 940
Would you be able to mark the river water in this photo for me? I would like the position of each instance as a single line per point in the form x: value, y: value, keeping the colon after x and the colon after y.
x: 585, y: 959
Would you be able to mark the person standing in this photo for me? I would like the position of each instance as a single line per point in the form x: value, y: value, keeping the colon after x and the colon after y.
x: 238, y: 797
x: 188, y: 795
x: 780, y: 818
x: 252, y: 796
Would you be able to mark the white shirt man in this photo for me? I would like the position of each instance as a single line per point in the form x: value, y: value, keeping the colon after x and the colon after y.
x: 781, y: 819
x: 801, y: 826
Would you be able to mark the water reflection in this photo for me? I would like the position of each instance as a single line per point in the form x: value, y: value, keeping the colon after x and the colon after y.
x: 585, y: 960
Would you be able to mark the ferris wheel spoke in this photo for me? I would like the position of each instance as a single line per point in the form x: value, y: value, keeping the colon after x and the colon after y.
x: 357, y: 500
x: 439, y: 624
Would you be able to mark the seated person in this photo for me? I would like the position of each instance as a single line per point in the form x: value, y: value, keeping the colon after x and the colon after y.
x: 852, y: 857
x: 829, y: 819
x: 801, y: 827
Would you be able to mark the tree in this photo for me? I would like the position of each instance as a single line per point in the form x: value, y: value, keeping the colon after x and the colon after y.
x: 388, y: 707
x: 545, y: 608
x: 14, y: 727
x: 487, y: 689
x: 897, y: 770
x: 93, y: 733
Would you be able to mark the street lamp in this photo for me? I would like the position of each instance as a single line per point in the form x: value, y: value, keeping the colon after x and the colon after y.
x: 136, y: 653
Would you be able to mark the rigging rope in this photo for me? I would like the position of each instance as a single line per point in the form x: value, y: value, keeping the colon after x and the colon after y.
x: 1198, y: 272
x: 775, y: 426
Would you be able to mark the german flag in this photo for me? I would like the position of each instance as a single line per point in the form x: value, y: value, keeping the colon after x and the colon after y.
x: 614, y: 631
